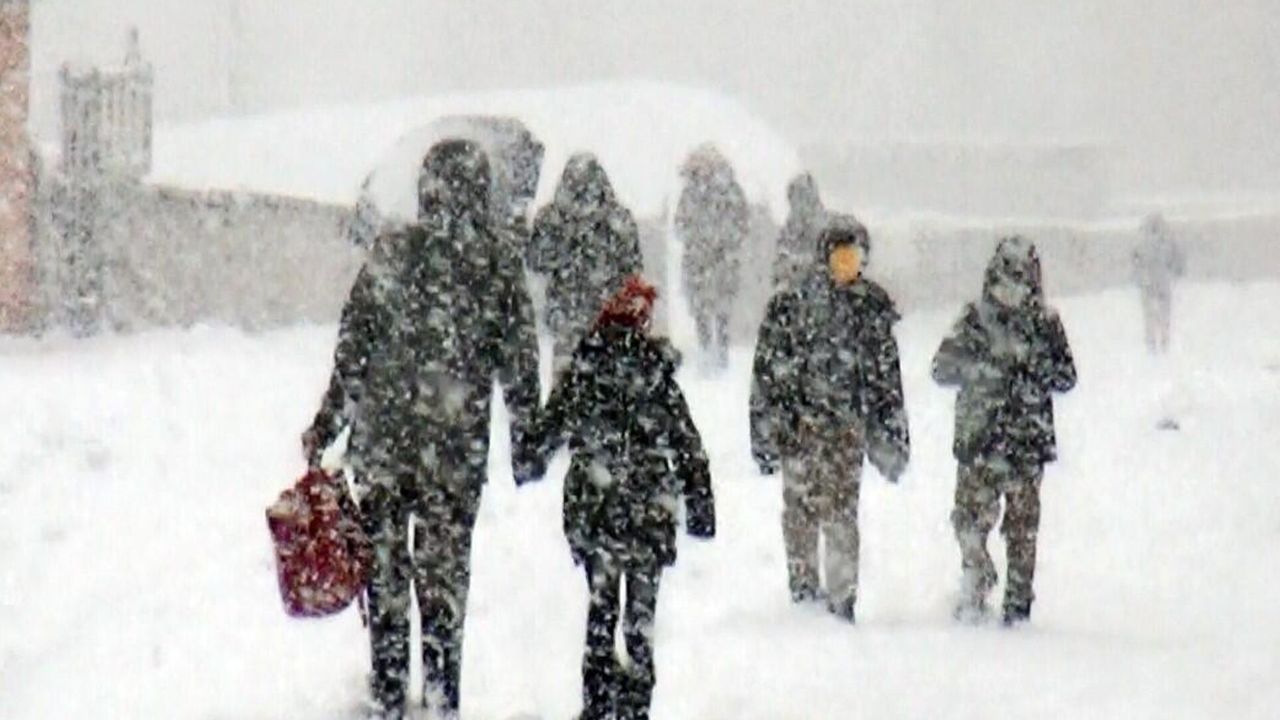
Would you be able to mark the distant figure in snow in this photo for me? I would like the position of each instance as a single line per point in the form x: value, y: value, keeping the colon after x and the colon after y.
x: 799, y: 237
x: 1157, y: 262
x: 827, y: 389
x: 636, y: 456
x: 584, y: 243
x: 437, y: 314
x: 1007, y: 353
x: 712, y: 222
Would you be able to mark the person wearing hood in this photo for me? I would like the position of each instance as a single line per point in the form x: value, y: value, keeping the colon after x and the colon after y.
x: 436, y: 315
x: 1007, y: 354
x: 827, y: 389
x: 712, y: 221
x: 584, y: 243
x: 799, y: 236
x: 636, y: 456
x: 1157, y: 262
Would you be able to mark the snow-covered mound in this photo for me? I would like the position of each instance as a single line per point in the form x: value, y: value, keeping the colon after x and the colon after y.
x: 641, y: 131
x: 136, y: 576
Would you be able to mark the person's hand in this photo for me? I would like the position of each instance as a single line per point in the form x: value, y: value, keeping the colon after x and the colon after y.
x: 311, y: 450
x: 767, y: 462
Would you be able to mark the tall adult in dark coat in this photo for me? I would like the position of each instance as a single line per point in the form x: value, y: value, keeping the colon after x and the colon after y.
x: 827, y: 389
x: 799, y: 237
x: 584, y: 243
x: 436, y: 315
x: 636, y: 456
x: 712, y: 221
x: 1007, y: 353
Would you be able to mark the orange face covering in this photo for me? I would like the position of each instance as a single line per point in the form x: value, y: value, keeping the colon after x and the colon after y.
x: 846, y: 264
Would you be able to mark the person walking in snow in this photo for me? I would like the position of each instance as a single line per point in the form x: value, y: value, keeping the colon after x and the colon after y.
x: 799, y: 237
x: 635, y: 456
x: 827, y: 388
x: 712, y: 223
x: 1007, y: 354
x: 1157, y: 262
x: 584, y: 243
x: 436, y: 314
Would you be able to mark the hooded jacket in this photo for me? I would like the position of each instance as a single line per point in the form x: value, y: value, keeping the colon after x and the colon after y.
x: 799, y: 237
x: 826, y: 359
x: 636, y: 452
x: 436, y: 315
x: 1007, y: 353
x: 712, y: 220
x: 584, y: 242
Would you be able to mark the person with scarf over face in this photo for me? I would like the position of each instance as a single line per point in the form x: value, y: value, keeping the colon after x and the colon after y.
x: 584, y: 243
x: 635, y: 456
x: 826, y: 390
x: 435, y: 316
x: 1007, y: 353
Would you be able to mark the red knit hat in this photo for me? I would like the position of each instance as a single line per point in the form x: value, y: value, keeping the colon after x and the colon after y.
x: 631, y: 306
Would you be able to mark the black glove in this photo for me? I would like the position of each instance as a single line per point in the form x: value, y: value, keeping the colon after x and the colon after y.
x: 767, y: 462
x: 891, y: 461
x: 527, y: 462
x: 312, y: 448
x: 701, y: 520
x: 527, y: 469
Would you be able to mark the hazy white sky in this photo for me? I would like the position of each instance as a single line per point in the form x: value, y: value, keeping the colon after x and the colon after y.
x: 1189, y: 91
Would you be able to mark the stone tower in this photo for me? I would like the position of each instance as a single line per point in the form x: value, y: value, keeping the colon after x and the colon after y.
x: 17, y: 180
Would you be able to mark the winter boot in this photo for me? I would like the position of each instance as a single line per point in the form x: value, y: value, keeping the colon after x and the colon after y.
x: 1016, y: 613
x: 843, y: 609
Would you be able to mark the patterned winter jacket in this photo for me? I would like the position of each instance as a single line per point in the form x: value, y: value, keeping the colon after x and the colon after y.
x: 826, y: 358
x: 636, y: 454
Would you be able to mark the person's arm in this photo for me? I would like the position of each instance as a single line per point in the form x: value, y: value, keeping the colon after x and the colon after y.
x: 771, y: 386
x: 888, y: 435
x: 518, y: 375
x: 1055, y: 366
x: 358, y: 332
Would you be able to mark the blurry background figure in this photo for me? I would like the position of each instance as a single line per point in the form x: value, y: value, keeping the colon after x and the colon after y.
x: 799, y: 237
x: 711, y: 222
x: 583, y: 244
x: 1157, y: 261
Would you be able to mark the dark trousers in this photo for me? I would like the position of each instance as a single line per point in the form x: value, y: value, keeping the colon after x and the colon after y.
x: 980, y: 486
x: 820, y: 488
x: 439, y: 569
x: 713, y: 335
x: 611, y: 687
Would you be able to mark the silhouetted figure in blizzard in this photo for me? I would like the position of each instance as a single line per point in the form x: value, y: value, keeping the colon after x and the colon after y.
x: 827, y: 388
x: 1157, y: 262
x: 712, y: 223
x: 636, y: 456
x: 799, y: 237
x: 584, y: 242
x: 1007, y: 353
x: 435, y: 315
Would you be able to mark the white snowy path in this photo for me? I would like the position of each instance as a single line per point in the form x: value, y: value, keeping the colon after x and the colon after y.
x: 136, y: 578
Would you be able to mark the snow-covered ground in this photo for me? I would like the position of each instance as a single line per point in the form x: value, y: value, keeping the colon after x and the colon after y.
x: 136, y: 577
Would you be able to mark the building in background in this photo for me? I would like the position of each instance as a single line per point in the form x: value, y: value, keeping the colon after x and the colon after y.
x: 17, y: 168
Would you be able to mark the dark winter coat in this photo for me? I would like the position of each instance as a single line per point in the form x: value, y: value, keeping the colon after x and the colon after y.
x: 826, y: 358
x: 636, y: 452
x: 799, y: 237
x: 1006, y: 361
x: 584, y: 243
x: 435, y: 316
x: 712, y: 220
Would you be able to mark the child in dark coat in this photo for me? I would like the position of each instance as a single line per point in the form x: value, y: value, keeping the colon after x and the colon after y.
x: 636, y: 456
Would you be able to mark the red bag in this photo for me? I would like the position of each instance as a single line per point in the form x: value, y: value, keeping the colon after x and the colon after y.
x: 322, y: 554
